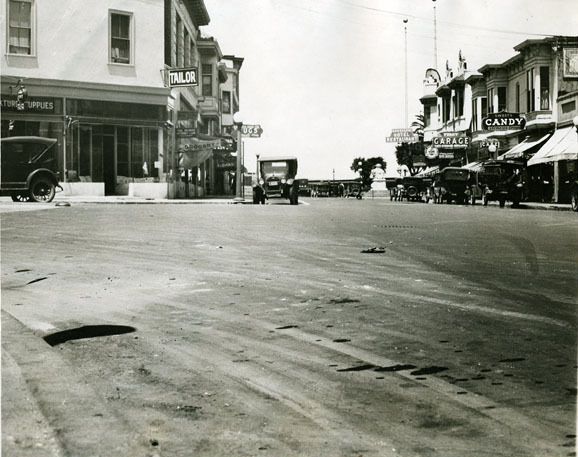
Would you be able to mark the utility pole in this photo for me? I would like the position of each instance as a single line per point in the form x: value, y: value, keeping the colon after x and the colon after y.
x: 405, y: 35
x: 435, y: 37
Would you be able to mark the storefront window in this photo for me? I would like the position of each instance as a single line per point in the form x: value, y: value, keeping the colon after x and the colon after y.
x: 122, y: 159
x: 136, y: 152
x: 84, y: 153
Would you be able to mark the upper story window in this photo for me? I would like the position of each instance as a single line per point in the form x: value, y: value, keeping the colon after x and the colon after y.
x: 226, y: 101
x: 20, y: 27
x: 179, y: 42
x: 545, y: 88
x: 187, y: 43
x: 517, y: 97
x: 121, y: 32
x: 502, y: 99
x: 459, y: 102
x: 530, y: 92
x: 207, y: 80
x: 490, y: 99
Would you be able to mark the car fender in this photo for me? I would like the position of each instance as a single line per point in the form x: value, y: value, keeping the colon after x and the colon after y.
x: 42, y: 172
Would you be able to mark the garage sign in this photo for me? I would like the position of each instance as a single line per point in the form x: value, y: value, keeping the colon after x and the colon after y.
x: 451, y: 140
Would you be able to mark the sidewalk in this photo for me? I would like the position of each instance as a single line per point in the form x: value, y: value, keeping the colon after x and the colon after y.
x: 126, y: 200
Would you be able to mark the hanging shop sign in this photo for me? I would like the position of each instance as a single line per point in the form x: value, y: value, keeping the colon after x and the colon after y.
x: 504, y: 121
x: 184, y: 77
x: 44, y: 105
x: 432, y: 153
x: 402, y: 136
x: 451, y: 140
x: 251, y: 131
x: 225, y: 161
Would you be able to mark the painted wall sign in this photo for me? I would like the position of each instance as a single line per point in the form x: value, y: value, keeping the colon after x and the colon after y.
x: 46, y: 105
x: 503, y: 121
x: 184, y: 77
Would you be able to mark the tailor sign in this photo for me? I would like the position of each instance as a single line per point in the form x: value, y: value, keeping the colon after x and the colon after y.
x: 503, y: 121
x: 184, y: 77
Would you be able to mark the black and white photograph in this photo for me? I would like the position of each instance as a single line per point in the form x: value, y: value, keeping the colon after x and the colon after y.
x: 289, y: 228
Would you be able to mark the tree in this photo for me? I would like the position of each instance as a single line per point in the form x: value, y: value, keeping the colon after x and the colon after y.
x: 366, y: 166
x: 406, y: 153
x: 418, y: 125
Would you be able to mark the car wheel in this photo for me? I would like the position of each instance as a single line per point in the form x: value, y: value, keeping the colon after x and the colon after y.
x: 574, y: 201
x: 20, y: 197
x: 42, y: 190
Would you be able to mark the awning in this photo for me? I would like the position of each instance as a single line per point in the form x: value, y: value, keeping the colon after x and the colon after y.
x: 563, y: 145
x: 428, y: 172
x: 194, y: 151
x: 518, y: 151
x: 473, y: 166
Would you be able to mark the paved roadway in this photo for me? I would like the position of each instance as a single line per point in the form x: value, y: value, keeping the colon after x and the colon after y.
x: 264, y: 330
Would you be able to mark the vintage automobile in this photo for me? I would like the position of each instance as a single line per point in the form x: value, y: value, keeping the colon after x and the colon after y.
x: 503, y: 180
x: 29, y: 169
x: 304, y: 188
x: 453, y: 184
x: 416, y: 188
x: 574, y: 195
x: 277, y: 180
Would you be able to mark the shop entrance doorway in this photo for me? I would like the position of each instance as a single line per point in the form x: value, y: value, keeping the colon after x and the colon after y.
x: 108, y: 164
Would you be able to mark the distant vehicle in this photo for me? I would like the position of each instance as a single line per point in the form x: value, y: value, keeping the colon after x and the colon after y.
x: 29, y: 169
x: 503, y: 180
x: 277, y: 180
x: 453, y: 184
x: 416, y: 188
x: 304, y: 188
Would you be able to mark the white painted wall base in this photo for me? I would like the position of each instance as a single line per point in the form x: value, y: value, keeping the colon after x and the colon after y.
x: 93, y: 189
x: 147, y: 189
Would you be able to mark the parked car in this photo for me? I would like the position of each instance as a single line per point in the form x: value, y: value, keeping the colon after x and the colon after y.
x: 29, y: 168
x: 453, y: 184
x: 503, y: 180
x: 277, y: 180
x: 416, y: 188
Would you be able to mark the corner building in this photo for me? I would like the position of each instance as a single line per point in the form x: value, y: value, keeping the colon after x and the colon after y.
x: 95, y: 73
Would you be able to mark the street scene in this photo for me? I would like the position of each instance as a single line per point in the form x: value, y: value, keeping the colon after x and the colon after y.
x: 350, y: 328
x: 289, y: 228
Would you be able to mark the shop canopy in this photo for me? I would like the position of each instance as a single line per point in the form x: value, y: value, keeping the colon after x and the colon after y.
x: 563, y: 145
x: 194, y: 151
x: 473, y: 166
x: 520, y: 149
x: 428, y: 172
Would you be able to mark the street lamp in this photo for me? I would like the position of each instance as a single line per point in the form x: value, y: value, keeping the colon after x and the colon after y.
x: 238, y: 121
x: 492, y: 149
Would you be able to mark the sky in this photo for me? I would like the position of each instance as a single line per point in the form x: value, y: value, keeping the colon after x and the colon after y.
x: 326, y: 78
